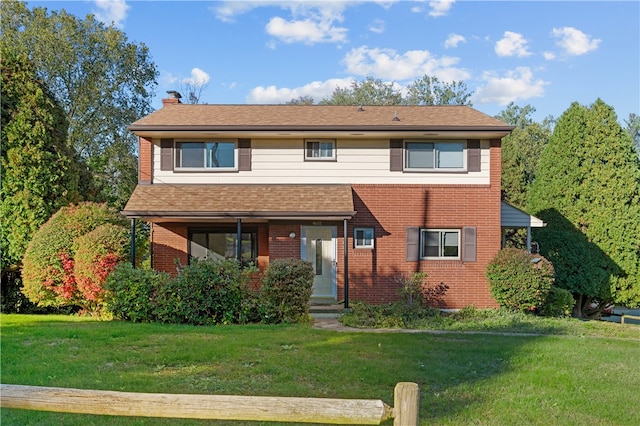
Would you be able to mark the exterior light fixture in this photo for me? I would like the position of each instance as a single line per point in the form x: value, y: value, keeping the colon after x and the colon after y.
x: 292, y: 235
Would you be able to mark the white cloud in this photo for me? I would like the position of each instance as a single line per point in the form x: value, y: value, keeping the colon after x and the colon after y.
x: 549, y: 56
x: 389, y: 64
x: 305, y: 31
x: 440, y: 7
x: 318, y: 90
x: 112, y: 12
x: 454, y: 40
x: 512, y: 44
x: 517, y: 84
x: 198, y: 78
x: 377, y: 26
x: 575, y: 42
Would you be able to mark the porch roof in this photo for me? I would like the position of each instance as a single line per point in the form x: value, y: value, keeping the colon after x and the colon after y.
x: 512, y: 217
x: 166, y: 202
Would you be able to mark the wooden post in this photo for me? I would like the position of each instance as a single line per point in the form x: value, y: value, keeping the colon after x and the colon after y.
x: 406, y: 404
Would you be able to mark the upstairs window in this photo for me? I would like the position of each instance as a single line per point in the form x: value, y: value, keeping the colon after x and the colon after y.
x: 319, y: 150
x: 434, y: 156
x: 213, y: 155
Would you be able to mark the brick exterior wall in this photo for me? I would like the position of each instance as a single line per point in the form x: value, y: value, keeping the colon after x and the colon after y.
x: 390, y: 209
x: 168, y: 243
x: 145, y: 162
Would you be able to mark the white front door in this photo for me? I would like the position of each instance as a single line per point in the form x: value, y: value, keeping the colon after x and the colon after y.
x: 319, y: 248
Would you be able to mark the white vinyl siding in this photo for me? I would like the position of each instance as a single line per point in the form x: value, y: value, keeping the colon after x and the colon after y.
x: 359, y: 161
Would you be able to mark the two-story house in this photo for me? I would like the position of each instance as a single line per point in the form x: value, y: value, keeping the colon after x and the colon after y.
x: 365, y: 194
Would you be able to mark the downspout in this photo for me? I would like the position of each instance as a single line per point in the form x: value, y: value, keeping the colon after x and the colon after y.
x: 133, y: 243
x: 346, y: 266
x: 239, y: 241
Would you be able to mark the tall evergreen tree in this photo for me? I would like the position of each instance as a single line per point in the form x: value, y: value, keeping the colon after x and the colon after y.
x: 39, y: 173
x: 588, y: 191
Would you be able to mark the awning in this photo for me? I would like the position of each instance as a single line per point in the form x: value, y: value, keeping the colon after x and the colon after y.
x: 512, y: 217
x: 163, y: 202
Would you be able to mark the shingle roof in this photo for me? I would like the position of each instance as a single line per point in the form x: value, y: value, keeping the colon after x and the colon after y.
x: 240, y: 201
x: 317, y: 117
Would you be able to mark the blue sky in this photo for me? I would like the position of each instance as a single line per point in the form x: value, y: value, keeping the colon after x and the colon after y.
x: 547, y: 54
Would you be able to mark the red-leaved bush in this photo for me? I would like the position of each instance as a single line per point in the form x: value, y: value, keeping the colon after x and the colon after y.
x: 53, y: 274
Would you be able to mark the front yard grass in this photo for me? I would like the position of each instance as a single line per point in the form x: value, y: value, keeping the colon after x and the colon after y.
x: 484, y: 379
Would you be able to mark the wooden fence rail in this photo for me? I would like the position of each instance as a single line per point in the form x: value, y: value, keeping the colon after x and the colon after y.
x: 217, y: 407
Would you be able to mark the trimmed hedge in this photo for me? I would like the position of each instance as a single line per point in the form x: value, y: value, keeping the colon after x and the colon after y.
x: 287, y: 286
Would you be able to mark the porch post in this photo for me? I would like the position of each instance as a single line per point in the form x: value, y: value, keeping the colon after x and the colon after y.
x: 133, y: 243
x: 529, y: 239
x: 346, y: 265
x: 239, y: 241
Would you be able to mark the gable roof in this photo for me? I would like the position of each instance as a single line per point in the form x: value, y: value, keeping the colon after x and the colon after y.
x: 179, y: 117
x: 177, y: 202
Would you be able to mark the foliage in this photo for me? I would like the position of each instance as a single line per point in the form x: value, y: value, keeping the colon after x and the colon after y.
x: 101, y: 80
x: 518, y: 280
x: 371, y: 91
x: 521, y: 151
x: 633, y: 129
x: 414, y: 292
x: 559, y: 303
x: 287, y: 285
x: 587, y: 190
x: 429, y: 90
x: 48, y: 271
x: 130, y: 293
x: 96, y: 254
x: 206, y: 292
x: 38, y: 170
x: 387, y: 315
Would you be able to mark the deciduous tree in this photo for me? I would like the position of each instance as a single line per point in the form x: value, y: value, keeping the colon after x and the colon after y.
x: 371, y: 91
x: 428, y: 90
x: 102, y: 81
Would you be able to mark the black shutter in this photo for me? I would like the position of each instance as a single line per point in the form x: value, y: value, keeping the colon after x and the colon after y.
x: 244, y: 154
x: 395, y: 155
x: 166, y: 154
x: 413, y: 244
x: 473, y: 155
x: 469, y: 244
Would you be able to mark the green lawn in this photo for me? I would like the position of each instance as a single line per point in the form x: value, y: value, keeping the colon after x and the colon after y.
x: 482, y: 379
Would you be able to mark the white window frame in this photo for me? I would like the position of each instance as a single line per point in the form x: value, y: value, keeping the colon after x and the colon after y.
x: 441, y: 247
x: 437, y: 149
x: 319, y: 150
x: 179, y: 157
x: 364, y: 245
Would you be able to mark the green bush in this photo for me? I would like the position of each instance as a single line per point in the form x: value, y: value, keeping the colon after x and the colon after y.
x: 286, y: 289
x: 520, y: 281
x: 130, y: 294
x: 559, y: 303
x: 48, y: 265
x: 206, y: 292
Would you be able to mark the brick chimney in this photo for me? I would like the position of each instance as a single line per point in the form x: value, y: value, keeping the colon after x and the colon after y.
x: 174, y: 98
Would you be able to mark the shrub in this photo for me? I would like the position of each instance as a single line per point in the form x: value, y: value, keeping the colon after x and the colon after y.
x: 286, y: 289
x: 520, y: 281
x: 414, y: 292
x: 559, y: 303
x: 206, y: 292
x: 389, y: 315
x: 130, y: 294
x: 48, y: 265
x: 96, y: 254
